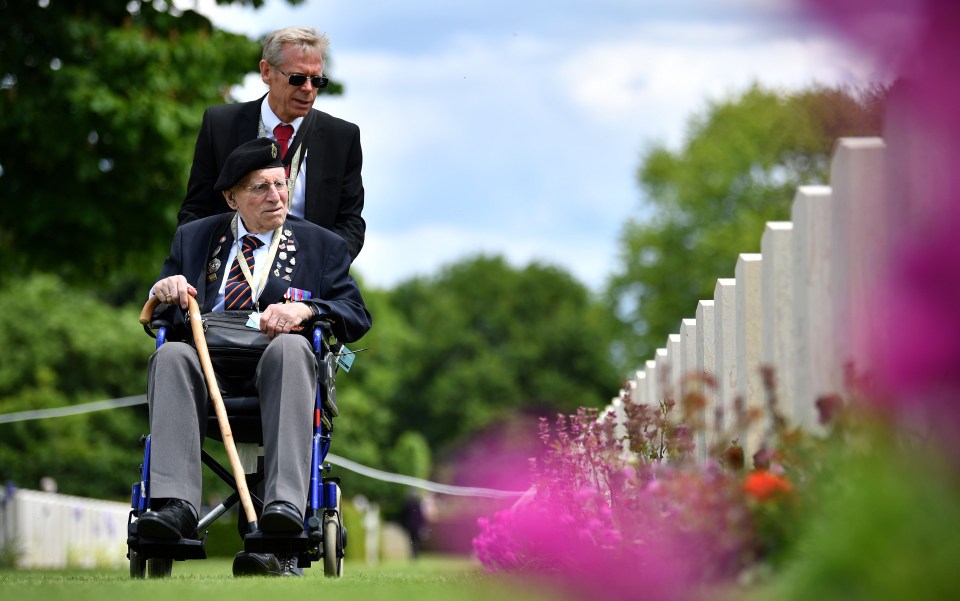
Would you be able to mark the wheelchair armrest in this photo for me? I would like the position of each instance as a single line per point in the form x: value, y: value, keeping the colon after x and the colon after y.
x: 324, y: 324
x: 323, y: 335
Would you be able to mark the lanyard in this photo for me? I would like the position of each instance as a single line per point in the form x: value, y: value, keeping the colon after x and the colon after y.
x: 294, y: 164
x: 255, y: 290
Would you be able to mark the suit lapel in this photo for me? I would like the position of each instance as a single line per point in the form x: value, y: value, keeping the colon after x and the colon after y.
x: 248, y: 126
x: 316, y: 146
x: 215, y: 267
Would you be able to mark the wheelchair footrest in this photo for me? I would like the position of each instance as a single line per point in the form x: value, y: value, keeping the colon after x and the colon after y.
x: 168, y: 548
x: 279, y: 544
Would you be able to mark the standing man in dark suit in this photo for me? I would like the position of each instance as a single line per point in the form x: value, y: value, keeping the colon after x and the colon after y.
x: 286, y: 272
x: 322, y: 153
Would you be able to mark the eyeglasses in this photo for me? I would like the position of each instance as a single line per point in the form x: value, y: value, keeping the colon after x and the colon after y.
x: 261, y: 188
x: 298, y: 79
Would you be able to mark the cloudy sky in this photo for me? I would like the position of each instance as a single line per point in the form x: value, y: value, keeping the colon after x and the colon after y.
x: 515, y: 127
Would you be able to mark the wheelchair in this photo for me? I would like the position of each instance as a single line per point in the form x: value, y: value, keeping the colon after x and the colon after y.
x: 324, y: 536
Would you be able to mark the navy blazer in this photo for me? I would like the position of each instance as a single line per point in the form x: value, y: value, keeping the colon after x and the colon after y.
x: 334, y: 188
x: 312, y: 259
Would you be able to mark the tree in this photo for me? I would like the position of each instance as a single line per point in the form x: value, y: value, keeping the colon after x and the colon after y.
x: 489, y: 340
x: 738, y: 167
x: 53, y: 359
x: 99, y: 108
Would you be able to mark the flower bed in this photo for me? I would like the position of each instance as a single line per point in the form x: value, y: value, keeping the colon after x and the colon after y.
x: 604, y: 522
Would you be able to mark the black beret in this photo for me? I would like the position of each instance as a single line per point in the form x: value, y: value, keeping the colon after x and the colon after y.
x: 261, y: 153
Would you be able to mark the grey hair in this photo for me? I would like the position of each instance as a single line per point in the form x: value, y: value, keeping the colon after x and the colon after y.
x: 302, y: 38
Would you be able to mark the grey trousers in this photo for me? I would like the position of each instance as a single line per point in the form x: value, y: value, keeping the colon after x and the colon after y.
x: 286, y: 381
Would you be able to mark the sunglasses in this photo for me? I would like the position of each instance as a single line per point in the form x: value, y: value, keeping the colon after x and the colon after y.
x: 298, y: 79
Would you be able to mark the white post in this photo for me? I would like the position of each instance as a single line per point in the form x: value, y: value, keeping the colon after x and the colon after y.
x: 673, y: 358
x: 777, y: 349
x: 641, y: 391
x: 619, y: 422
x: 705, y: 366
x: 688, y: 383
x: 689, y: 377
x: 749, y: 335
x: 663, y: 374
x: 858, y: 238
x: 725, y: 340
x: 817, y: 367
x: 653, y: 393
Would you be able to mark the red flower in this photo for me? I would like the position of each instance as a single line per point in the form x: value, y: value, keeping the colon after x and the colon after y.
x: 763, y: 485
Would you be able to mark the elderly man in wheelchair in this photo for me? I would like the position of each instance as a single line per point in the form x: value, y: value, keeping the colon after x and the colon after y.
x: 275, y: 292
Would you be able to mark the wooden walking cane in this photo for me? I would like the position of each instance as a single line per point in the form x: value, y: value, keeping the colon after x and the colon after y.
x: 196, y: 324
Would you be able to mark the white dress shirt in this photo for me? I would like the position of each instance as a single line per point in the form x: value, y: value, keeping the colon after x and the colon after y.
x: 259, y: 259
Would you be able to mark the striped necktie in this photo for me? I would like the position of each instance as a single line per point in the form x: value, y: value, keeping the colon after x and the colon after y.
x: 237, y: 293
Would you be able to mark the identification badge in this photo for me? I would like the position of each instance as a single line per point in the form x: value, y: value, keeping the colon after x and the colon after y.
x: 345, y: 358
x: 254, y: 321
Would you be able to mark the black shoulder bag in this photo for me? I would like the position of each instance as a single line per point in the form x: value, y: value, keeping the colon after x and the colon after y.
x: 235, y: 349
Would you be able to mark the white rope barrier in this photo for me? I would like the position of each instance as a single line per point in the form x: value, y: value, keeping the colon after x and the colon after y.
x: 446, y: 489
x: 22, y: 416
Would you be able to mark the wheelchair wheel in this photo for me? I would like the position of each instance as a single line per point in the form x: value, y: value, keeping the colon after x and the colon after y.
x: 333, y: 542
x: 159, y: 568
x: 332, y: 552
x: 138, y: 564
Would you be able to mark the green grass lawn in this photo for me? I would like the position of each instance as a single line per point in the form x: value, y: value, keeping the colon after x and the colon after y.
x: 430, y: 578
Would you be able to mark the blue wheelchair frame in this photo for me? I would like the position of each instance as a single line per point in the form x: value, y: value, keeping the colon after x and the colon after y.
x: 322, y: 519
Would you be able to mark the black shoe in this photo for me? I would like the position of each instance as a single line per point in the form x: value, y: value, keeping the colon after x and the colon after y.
x: 177, y: 519
x: 255, y: 564
x: 281, y: 517
x: 289, y: 566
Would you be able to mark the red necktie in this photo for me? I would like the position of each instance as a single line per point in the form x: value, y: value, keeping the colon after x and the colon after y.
x: 237, y: 293
x: 283, y: 133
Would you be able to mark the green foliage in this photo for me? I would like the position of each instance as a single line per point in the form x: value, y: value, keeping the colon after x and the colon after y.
x: 68, y: 348
x: 466, y: 350
x: 411, y: 455
x: 707, y: 202
x: 882, y: 529
x: 489, y: 340
x: 356, y: 550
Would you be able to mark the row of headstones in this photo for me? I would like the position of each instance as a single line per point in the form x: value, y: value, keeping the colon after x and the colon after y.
x: 797, y: 307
